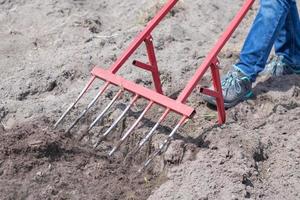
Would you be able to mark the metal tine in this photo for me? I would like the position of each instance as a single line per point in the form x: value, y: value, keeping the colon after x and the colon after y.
x: 131, y: 129
x: 164, y: 144
x: 105, y: 109
x: 76, y: 101
x: 89, y: 106
x: 151, y: 133
x: 116, y: 121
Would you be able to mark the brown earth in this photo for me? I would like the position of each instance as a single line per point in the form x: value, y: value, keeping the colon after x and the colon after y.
x: 37, y: 163
x: 47, y: 49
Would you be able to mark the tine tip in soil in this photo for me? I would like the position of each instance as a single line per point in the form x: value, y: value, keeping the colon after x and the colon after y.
x: 99, y: 141
x: 121, y: 116
x: 89, y: 106
x: 112, y: 151
x: 164, y: 144
x: 151, y: 132
x: 120, y: 142
x: 76, y: 101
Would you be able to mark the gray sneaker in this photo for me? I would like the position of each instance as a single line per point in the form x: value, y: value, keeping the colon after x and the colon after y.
x: 236, y: 88
x: 277, y: 67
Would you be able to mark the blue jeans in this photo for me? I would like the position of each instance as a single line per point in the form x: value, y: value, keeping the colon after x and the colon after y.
x: 277, y: 23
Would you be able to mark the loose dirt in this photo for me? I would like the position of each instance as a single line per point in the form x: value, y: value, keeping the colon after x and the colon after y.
x: 254, y: 156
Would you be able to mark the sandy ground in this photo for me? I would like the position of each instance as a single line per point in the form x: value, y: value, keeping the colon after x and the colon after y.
x: 254, y: 156
x: 47, y: 49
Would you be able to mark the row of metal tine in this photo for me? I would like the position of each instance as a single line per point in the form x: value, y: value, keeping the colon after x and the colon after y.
x: 115, y: 123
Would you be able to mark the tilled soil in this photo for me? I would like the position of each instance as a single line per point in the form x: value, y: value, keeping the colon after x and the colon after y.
x: 37, y: 163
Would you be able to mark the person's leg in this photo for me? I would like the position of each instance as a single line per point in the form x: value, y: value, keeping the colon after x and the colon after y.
x: 237, y: 84
x: 287, y: 43
x: 269, y: 21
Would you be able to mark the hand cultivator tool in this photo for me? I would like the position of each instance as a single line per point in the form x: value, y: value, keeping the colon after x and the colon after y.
x: 156, y: 96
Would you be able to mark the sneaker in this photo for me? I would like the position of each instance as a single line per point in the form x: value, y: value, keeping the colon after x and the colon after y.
x: 236, y: 88
x: 277, y: 67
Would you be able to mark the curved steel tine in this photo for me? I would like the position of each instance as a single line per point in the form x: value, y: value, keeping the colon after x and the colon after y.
x: 151, y: 133
x: 116, y: 121
x: 131, y: 129
x: 76, y: 101
x: 89, y: 106
x: 164, y: 144
x: 105, y: 109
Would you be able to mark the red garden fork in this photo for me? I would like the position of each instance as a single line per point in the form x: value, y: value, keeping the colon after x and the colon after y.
x: 156, y: 96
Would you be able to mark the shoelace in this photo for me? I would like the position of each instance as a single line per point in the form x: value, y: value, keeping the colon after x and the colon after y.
x: 277, y: 64
x: 232, y: 79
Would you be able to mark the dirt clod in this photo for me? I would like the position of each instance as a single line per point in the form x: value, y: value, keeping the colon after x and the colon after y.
x: 57, y: 167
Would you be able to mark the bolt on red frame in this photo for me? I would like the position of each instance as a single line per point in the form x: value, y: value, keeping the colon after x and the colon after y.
x: 156, y: 96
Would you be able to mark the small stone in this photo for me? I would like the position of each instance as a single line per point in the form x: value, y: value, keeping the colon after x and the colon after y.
x: 3, y: 112
x: 291, y: 149
x: 175, y: 152
x: 214, y: 148
x: 281, y: 110
x: 39, y: 173
x: 222, y: 162
x: 51, y: 85
x: 228, y: 54
x: 234, y: 197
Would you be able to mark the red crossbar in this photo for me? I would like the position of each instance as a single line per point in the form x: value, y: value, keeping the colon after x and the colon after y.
x: 144, y: 92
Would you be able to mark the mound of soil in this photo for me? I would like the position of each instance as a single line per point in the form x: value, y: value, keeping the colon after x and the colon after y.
x: 38, y: 163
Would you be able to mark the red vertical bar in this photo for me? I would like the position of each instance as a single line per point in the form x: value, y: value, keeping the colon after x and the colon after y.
x: 218, y: 88
x: 153, y: 63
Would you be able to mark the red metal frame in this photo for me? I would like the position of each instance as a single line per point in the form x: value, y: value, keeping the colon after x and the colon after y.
x: 157, y: 96
x: 212, y: 62
x: 154, y: 96
x: 153, y: 64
